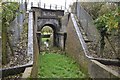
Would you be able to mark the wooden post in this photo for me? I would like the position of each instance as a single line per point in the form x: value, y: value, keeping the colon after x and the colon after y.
x: 35, y: 50
x: 38, y: 39
x: 65, y: 37
x: 25, y: 5
x: 4, y: 42
x: 118, y: 33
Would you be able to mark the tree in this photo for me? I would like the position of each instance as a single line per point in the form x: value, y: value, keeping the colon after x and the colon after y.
x: 8, y: 11
x: 106, y: 24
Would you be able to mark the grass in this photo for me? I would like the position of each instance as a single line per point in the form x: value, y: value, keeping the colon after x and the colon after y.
x: 55, y: 65
x: 44, y: 39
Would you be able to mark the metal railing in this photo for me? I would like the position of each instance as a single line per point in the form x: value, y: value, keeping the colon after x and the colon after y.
x: 46, y: 6
x: 38, y: 4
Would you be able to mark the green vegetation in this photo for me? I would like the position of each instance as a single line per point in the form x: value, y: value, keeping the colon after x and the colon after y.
x: 106, y: 24
x: 106, y: 16
x: 8, y: 14
x: 44, y: 39
x: 47, y: 30
x: 9, y: 11
x: 109, y: 21
x: 55, y: 65
x: 92, y: 8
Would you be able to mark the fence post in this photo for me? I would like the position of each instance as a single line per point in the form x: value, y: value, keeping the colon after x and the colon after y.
x: 65, y: 4
x: 76, y: 7
x: 31, y: 4
x: 50, y: 6
x: 56, y: 7
x: 44, y: 5
x: 61, y: 7
x: 38, y: 5
x: 25, y: 5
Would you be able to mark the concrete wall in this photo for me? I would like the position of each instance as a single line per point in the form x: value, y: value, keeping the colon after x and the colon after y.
x: 16, y: 26
x: 77, y: 49
x: 64, y: 22
x: 48, y: 12
x: 74, y: 48
x: 15, y: 31
x: 98, y: 70
x: 86, y: 22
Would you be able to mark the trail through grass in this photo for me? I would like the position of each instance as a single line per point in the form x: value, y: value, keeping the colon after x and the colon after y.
x: 55, y: 65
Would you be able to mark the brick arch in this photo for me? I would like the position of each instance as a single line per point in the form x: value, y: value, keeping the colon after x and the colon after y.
x: 50, y: 25
x: 53, y: 23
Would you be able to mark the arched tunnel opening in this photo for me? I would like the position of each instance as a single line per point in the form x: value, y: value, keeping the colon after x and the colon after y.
x: 47, y: 38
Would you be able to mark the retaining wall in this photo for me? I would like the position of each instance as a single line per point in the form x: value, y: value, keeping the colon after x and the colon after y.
x: 74, y: 48
x: 77, y: 49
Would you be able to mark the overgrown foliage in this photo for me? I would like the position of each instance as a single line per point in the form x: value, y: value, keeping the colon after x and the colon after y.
x: 108, y: 21
x: 106, y: 24
x: 8, y: 14
x: 54, y: 65
x: 106, y: 16
x: 9, y: 10
x: 92, y: 8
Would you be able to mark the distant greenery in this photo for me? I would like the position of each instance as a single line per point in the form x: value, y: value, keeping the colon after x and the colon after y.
x: 44, y: 39
x: 47, y: 30
x: 55, y: 65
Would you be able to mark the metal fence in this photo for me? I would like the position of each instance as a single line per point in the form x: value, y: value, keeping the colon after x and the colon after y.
x: 45, y: 6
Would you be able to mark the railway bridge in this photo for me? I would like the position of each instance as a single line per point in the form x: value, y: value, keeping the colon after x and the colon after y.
x: 72, y: 32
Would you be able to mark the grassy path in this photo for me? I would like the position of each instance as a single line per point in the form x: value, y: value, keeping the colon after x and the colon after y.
x: 55, y: 65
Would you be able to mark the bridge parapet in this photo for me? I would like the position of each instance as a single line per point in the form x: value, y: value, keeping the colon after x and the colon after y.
x: 48, y: 12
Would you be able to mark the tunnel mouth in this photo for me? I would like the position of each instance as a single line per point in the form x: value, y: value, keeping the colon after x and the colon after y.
x: 47, y: 38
